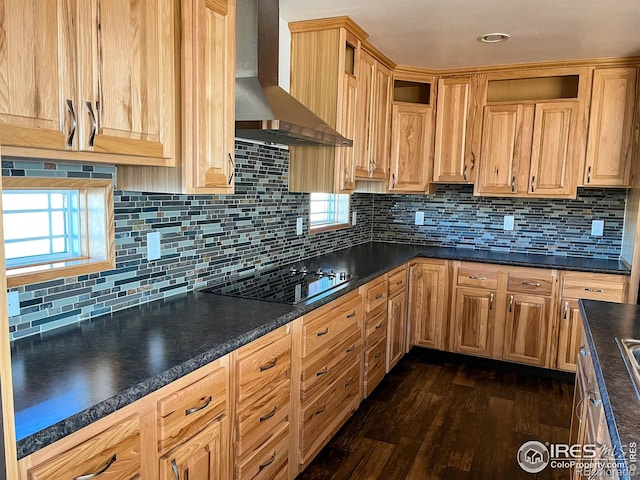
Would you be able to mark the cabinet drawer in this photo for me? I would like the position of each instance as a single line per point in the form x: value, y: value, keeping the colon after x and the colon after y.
x: 329, y: 410
x: 117, y: 448
x: 257, y: 422
x: 594, y: 289
x: 397, y: 280
x: 268, y: 462
x: 324, y: 332
x: 523, y: 283
x: 320, y: 371
x: 374, y: 366
x: 376, y: 294
x: 186, y: 412
x: 478, y: 277
x: 259, y: 372
x: 376, y: 326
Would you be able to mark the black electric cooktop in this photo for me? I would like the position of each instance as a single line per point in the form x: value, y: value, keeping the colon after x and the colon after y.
x: 288, y: 284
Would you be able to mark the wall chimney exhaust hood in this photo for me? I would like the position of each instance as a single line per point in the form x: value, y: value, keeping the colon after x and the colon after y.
x: 264, y: 111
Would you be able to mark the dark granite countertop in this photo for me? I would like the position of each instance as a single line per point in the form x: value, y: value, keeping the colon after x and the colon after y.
x: 603, y: 322
x: 69, y: 378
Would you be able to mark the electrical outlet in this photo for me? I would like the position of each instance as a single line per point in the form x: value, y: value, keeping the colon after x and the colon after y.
x: 419, y: 218
x: 597, y: 228
x: 354, y: 217
x: 299, y: 226
x: 153, y: 246
x: 509, y: 222
x: 13, y: 301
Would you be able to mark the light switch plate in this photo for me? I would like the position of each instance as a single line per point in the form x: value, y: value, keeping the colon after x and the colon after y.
x: 153, y: 246
x: 419, y: 218
x: 597, y: 228
x: 354, y: 218
x: 13, y: 301
x: 299, y: 226
x: 509, y: 222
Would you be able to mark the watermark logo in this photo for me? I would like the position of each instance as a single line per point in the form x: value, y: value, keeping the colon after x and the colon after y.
x: 533, y: 456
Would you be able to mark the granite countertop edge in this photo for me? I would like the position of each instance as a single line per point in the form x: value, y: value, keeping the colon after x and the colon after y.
x: 59, y: 430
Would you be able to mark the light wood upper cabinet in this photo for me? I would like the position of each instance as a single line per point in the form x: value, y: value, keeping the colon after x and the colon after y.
x: 345, y: 172
x: 207, y: 163
x: 101, y: 80
x: 454, y: 159
x: 611, y: 124
x: 366, y: 85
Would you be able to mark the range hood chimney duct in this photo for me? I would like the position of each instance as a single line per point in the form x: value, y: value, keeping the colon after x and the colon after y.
x: 264, y: 111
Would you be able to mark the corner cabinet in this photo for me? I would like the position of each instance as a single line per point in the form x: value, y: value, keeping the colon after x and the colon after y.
x: 207, y: 163
x: 97, y: 84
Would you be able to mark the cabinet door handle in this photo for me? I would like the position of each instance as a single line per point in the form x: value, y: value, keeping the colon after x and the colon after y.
x: 510, y: 303
x: 513, y: 184
x: 593, y: 290
x: 322, y: 372
x: 393, y: 181
x: 566, y: 310
x: 589, y: 175
x: 74, y: 123
x: 476, y: 277
x: 595, y: 401
x: 578, y: 411
x: 207, y: 401
x: 583, y: 351
x: 533, y: 184
x: 352, y: 314
x: 174, y: 468
x: 379, y: 296
x: 323, y: 332
x: 89, y: 476
x: 491, y: 301
x: 269, y: 365
x: 530, y: 284
x: 94, y: 121
x: 264, y: 465
x: 233, y: 169
x: 269, y: 415
x: 464, y: 172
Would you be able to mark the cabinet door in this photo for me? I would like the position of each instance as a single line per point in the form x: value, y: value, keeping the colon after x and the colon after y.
x: 380, y: 141
x: 610, y: 139
x: 366, y: 85
x: 411, y: 135
x: 453, y: 159
x: 396, y: 329
x: 504, y: 155
x: 126, y: 77
x: 208, y: 56
x: 526, y: 329
x: 200, y: 458
x: 345, y: 157
x: 427, y: 300
x: 473, y: 321
x: 569, y: 335
x: 553, y: 161
x: 37, y: 68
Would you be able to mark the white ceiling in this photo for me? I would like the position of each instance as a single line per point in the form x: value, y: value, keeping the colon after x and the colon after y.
x: 442, y: 33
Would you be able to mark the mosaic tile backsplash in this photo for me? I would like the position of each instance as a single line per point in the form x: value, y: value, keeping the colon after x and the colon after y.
x: 209, y: 239
x: 205, y: 239
x: 455, y: 218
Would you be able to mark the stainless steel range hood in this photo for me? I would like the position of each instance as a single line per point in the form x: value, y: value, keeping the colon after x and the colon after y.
x: 264, y: 111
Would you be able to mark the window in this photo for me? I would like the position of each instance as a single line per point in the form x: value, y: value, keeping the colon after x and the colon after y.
x: 56, y: 227
x: 328, y: 211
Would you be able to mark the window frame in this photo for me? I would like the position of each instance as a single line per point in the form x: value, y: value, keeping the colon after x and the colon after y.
x: 96, y: 226
x: 336, y: 224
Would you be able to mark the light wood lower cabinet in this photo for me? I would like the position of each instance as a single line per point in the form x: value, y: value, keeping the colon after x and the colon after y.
x: 375, y: 333
x: 396, y: 317
x: 473, y: 321
x: 526, y: 329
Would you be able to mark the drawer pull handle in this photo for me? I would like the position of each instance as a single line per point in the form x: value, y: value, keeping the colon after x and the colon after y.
x: 477, y: 277
x: 400, y: 282
x: 207, y: 401
x: 89, y: 476
x: 323, y: 332
x: 379, y: 296
x: 594, y: 290
x: 378, y: 327
x: 269, y: 365
x: 322, y: 372
x: 264, y: 465
x: 530, y: 284
x: 269, y: 415
x: 324, y: 407
x: 174, y: 467
x: 352, y: 314
x: 377, y: 355
x: 349, y: 383
x: 350, y: 349
x: 583, y: 351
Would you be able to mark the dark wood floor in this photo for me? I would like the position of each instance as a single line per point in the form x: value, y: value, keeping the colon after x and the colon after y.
x: 449, y: 418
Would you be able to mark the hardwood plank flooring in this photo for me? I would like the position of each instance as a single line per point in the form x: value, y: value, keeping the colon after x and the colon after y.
x: 443, y: 416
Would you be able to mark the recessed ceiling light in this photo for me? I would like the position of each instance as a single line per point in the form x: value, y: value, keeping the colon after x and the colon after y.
x: 493, y: 37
